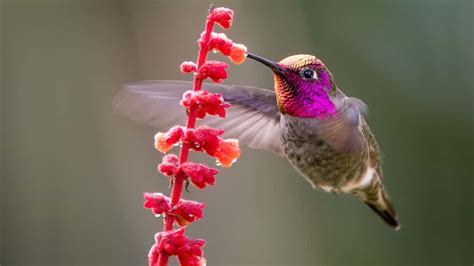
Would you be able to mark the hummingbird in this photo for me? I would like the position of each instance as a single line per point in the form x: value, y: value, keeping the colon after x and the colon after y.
x: 306, y: 118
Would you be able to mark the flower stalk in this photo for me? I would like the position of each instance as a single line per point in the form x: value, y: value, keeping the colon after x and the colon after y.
x: 198, y: 103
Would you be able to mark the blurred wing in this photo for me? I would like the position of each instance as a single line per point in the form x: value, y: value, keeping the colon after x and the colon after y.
x: 253, y: 117
x: 343, y: 132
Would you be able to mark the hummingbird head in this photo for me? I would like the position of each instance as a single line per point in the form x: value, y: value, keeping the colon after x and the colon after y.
x: 303, y: 86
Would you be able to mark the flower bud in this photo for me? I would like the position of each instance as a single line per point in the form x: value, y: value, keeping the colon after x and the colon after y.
x: 222, y: 16
x: 188, y: 67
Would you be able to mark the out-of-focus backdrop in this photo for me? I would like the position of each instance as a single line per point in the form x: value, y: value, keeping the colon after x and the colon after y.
x: 72, y: 172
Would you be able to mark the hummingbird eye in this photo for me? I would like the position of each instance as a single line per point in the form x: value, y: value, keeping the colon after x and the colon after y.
x: 308, y: 74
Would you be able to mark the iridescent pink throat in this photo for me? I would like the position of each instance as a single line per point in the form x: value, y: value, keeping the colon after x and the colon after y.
x: 304, y: 98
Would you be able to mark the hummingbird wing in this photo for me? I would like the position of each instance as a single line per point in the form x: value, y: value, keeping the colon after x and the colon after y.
x: 253, y: 118
x: 343, y: 131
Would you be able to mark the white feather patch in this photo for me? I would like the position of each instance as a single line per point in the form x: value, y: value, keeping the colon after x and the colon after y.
x: 360, y: 183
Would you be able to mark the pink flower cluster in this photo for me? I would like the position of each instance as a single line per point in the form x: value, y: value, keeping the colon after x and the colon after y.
x: 205, y: 139
x: 174, y: 243
x: 204, y: 103
x: 199, y: 174
x: 198, y: 104
x: 185, y: 212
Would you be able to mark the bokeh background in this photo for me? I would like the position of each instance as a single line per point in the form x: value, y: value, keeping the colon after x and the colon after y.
x: 73, y: 172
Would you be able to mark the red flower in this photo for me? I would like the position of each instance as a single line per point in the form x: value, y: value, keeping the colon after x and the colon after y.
x: 203, y: 138
x: 154, y: 254
x: 187, y: 211
x: 165, y: 141
x: 219, y: 42
x: 188, y: 67
x: 228, y: 152
x: 157, y: 203
x: 191, y: 254
x: 222, y: 16
x: 186, y: 260
x: 238, y: 53
x: 214, y: 70
x: 200, y: 174
x: 168, y: 165
x: 174, y: 243
x: 204, y: 103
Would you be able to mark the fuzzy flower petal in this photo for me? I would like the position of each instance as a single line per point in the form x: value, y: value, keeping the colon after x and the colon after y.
x: 157, y: 203
x: 219, y: 42
x: 174, y: 243
x: 204, y: 103
x: 200, y: 174
x: 154, y: 255
x: 188, y: 67
x: 203, y: 138
x: 185, y: 260
x: 165, y: 141
x: 228, y: 152
x: 168, y: 165
x: 222, y: 16
x: 187, y: 211
x: 171, y: 242
x: 214, y: 70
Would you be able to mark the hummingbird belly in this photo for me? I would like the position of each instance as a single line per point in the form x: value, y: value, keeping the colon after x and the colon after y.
x: 317, y: 161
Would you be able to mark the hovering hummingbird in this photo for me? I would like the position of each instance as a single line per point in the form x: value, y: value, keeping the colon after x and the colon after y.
x: 307, y: 119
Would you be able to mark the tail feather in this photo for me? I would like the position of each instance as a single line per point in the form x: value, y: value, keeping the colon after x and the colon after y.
x: 384, y: 208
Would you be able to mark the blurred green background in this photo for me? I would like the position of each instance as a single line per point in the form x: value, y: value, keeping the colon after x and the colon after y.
x: 73, y: 172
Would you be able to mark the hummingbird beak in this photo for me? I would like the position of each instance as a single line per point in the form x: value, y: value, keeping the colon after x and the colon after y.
x: 269, y: 63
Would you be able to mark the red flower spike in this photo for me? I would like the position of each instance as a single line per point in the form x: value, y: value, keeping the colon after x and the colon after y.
x: 214, y: 70
x: 198, y: 103
x: 219, y: 42
x: 157, y: 203
x: 168, y: 165
x: 200, y: 174
x: 222, y: 16
x: 165, y: 141
x: 238, y: 53
x: 228, y: 152
x: 174, y: 243
x: 204, y: 103
x: 187, y: 211
x: 188, y: 67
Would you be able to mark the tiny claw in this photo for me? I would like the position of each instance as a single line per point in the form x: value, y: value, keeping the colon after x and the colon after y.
x: 171, y: 183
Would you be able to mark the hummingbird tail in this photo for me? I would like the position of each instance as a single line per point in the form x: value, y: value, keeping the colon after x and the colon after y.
x: 384, y: 208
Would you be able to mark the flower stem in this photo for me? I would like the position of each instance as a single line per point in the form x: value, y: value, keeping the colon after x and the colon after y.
x: 183, y: 156
x: 178, y: 182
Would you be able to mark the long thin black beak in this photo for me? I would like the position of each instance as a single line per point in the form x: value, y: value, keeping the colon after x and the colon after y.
x: 269, y: 63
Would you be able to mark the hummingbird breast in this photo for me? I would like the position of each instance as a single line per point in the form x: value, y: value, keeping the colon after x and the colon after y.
x: 322, y: 165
